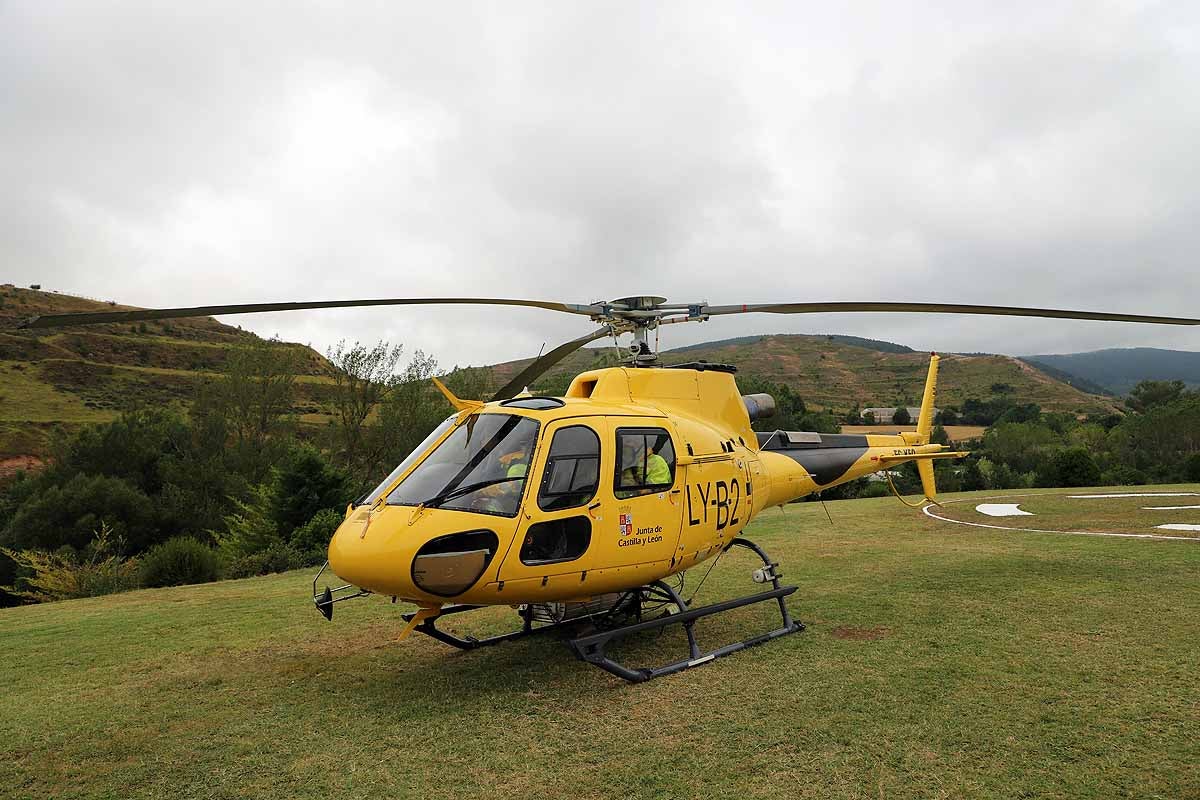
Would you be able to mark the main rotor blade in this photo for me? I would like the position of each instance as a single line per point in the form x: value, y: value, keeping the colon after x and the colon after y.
x: 98, y: 317
x: 543, y: 363
x: 943, y: 308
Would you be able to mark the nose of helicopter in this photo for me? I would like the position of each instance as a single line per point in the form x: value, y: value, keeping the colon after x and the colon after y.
x: 414, y: 554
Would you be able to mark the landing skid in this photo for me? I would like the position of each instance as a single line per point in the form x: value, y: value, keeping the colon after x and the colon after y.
x: 429, y: 628
x: 592, y: 647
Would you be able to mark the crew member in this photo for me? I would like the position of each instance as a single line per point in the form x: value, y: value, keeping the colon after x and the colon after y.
x: 652, y: 470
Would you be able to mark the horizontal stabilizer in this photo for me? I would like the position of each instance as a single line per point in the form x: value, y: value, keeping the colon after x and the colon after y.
x: 922, y: 457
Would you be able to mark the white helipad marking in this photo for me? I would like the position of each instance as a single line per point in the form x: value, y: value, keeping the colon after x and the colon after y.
x: 1002, y: 510
x: 929, y: 513
x: 1166, y: 508
x: 1178, y: 526
x: 1133, y: 494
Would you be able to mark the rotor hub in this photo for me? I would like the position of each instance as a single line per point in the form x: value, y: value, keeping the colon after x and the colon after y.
x: 646, y: 302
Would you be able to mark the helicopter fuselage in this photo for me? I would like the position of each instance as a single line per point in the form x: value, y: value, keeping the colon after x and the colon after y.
x: 591, y: 512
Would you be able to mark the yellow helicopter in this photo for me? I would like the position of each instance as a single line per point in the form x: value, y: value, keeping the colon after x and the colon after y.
x: 576, y: 510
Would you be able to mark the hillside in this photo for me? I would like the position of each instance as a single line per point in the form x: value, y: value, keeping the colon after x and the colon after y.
x: 1119, y: 370
x: 839, y: 372
x: 89, y: 374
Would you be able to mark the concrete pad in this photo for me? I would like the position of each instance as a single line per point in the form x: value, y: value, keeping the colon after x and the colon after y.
x: 1177, y: 526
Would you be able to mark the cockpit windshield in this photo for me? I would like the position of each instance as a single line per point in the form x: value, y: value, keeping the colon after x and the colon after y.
x: 481, y: 466
x: 418, y: 451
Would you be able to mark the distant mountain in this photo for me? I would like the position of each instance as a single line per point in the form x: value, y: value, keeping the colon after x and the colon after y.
x: 854, y: 341
x: 1071, y: 380
x: 1120, y: 370
x: 838, y: 372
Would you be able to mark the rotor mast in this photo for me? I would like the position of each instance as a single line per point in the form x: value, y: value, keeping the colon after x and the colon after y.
x: 640, y: 314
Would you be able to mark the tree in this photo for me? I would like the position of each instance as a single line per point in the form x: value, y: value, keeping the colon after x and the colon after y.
x: 470, y: 383
x: 1075, y: 467
x: 854, y: 417
x: 253, y: 395
x: 901, y: 417
x: 1020, y: 445
x: 1023, y: 412
x: 305, y: 485
x: 868, y: 418
x: 1160, y: 440
x: 410, y: 412
x: 363, y: 378
x: 257, y: 389
x: 1151, y: 394
x: 131, y: 447
x: 972, y: 477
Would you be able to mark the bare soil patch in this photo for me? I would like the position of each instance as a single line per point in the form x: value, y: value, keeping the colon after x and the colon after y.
x: 861, y: 634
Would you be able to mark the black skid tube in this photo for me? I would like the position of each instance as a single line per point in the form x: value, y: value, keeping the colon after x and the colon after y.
x: 592, y: 648
x: 429, y: 628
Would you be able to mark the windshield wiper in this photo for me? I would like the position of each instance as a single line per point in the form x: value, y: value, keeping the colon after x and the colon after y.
x: 437, y: 500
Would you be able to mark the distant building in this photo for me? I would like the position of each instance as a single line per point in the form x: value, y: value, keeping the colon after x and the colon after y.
x: 884, y: 416
x: 35, y: 286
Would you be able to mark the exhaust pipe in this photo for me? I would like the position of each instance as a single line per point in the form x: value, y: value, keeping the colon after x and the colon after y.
x: 759, y: 406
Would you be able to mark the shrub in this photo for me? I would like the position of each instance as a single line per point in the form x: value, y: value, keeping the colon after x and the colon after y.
x: 1191, y: 467
x: 278, y: 557
x: 69, y: 513
x: 315, y: 534
x: 250, y: 529
x: 1123, y: 475
x: 63, y: 575
x: 901, y: 417
x: 875, y: 489
x: 178, y: 561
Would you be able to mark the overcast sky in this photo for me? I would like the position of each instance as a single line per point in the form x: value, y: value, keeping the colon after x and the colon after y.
x: 188, y: 153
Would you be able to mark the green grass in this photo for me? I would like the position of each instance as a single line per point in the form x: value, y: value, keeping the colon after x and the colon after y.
x: 940, y: 661
x: 25, y: 397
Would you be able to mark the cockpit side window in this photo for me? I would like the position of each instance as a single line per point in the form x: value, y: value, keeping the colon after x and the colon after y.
x: 645, y: 461
x: 572, y: 472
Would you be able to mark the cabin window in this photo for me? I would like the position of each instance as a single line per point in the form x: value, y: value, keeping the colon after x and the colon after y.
x: 556, y: 541
x: 572, y: 471
x: 645, y: 461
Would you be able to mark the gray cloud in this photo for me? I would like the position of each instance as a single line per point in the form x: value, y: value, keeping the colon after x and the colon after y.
x: 1036, y: 156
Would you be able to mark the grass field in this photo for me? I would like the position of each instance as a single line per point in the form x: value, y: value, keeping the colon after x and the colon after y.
x: 940, y: 661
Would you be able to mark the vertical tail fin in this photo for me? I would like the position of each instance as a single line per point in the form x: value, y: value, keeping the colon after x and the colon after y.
x: 925, y: 419
x: 925, y: 427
